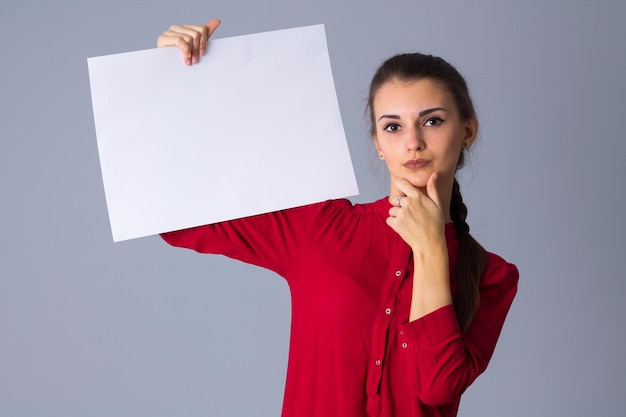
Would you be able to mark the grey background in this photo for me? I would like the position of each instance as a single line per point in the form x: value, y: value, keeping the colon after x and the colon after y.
x: 92, y: 328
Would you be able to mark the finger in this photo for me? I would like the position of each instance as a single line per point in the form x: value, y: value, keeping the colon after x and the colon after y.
x: 182, y: 41
x: 198, y: 36
x: 192, y: 35
x: 431, y: 189
x: 209, y: 28
x: 181, y: 37
x: 170, y: 38
x: 211, y: 25
x: 406, y: 188
x: 391, y: 222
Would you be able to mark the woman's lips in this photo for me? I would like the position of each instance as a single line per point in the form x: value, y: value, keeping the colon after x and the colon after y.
x: 416, y: 163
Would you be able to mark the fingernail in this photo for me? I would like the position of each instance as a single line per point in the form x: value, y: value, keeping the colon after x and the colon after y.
x: 194, y: 60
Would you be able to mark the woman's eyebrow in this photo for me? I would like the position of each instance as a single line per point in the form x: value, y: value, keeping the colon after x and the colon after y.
x: 389, y: 116
x: 428, y: 111
x: 422, y: 113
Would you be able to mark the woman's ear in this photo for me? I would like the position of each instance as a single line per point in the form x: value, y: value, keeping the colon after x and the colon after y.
x: 471, y: 131
x: 375, y: 140
x: 378, y: 150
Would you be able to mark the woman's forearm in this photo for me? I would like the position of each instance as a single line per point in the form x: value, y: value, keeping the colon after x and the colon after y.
x: 431, y: 281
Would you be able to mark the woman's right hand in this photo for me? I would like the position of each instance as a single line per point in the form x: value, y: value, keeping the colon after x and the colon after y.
x: 191, y: 39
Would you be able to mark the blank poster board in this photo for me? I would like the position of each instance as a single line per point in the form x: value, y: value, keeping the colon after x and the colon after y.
x: 254, y: 127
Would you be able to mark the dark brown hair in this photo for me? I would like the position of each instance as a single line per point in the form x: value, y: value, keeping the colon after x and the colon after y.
x: 471, y: 259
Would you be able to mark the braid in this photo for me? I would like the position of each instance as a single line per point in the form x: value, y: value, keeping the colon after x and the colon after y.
x: 470, y: 263
x: 458, y: 210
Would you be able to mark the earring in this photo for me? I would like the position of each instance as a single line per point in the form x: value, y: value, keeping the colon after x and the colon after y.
x: 381, y: 156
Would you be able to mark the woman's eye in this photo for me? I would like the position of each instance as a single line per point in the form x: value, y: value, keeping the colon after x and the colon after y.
x: 392, y: 127
x: 433, y: 121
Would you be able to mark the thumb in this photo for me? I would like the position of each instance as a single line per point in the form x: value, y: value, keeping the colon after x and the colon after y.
x: 211, y: 25
x: 431, y: 189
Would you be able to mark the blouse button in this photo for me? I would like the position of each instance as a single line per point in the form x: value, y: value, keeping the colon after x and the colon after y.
x: 404, y: 345
x: 398, y: 273
x: 377, y: 362
x: 388, y: 311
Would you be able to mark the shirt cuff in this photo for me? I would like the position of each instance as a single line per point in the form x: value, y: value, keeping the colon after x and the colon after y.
x: 432, y: 329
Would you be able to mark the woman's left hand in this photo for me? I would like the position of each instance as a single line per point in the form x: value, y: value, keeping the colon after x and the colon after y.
x: 417, y: 216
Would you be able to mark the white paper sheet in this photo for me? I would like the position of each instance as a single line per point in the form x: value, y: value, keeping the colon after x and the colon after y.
x: 254, y: 127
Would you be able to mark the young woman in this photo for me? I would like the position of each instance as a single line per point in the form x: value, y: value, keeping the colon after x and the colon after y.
x: 396, y: 309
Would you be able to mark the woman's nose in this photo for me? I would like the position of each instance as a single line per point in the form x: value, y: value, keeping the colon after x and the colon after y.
x: 415, y: 141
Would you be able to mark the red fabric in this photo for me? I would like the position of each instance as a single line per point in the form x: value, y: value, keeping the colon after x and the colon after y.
x: 352, y: 351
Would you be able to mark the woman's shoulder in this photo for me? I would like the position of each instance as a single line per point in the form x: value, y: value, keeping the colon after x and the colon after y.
x: 499, y: 271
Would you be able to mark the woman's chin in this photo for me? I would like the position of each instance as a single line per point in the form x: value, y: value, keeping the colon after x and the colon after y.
x: 418, y: 181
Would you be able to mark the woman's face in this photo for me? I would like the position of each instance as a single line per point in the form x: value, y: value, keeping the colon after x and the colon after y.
x: 419, y: 131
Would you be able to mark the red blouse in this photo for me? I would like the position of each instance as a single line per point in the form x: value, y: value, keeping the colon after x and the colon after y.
x: 352, y: 350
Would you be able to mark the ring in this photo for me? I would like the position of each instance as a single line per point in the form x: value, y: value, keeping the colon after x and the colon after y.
x: 398, y: 200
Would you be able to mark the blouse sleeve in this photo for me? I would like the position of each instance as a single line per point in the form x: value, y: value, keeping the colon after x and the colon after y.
x: 447, y: 361
x: 267, y: 240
